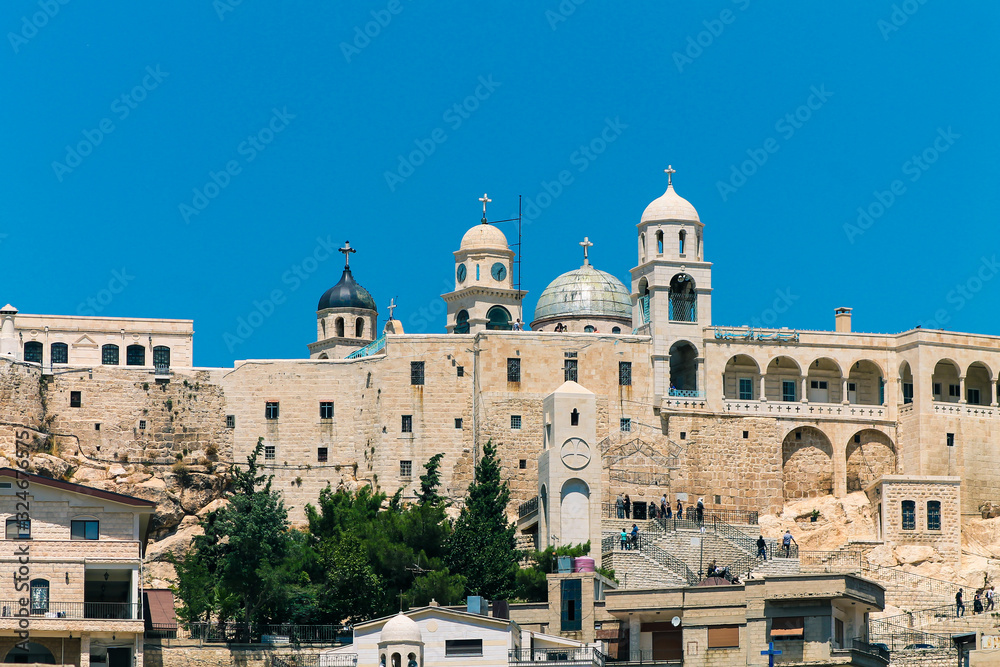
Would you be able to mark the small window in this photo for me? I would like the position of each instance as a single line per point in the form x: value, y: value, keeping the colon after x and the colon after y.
x: 161, y: 356
x: 522, y: 463
x: 933, y: 515
x: 616, y: 330
x: 74, y: 399
x: 406, y: 468
x: 570, y: 373
x: 681, y: 237
x: 135, y: 355
x: 723, y: 636
x: 18, y: 530
x: 326, y: 409
x: 973, y: 396
x: 416, y: 372
x: 513, y: 369
x: 818, y: 384
x: 460, y: 371
x: 271, y: 410
x: 788, y: 390
x: 954, y: 390
x: 589, y: 329
x: 322, y: 454
x: 458, y: 422
x: 572, y: 596
x: 515, y: 421
x: 718, y: 499
x: 574, y: 418
x: 746, y: 434
x: 84, y: 529
x: 109, y: 355
x: 791, y: 627
x: 936, y: 388
x: 463, y: 647
x: 798, y: 435
x: 857, y: 438
x: 142, y: 424
x: 269, y: 452
x: 625, y: 424
x: 746, y: 389
x: 659, y: 243
x: 909, y: 508
x: 684, y: 435
x: 950, y: 439
x: 60, y: 353
x: 625, y: 373
x: 97, y: 426
x: 407, y: 425
x: 33, y: 352
x: 230, y: 421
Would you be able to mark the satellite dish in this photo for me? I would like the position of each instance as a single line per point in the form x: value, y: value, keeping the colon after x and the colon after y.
x: 675, y: 621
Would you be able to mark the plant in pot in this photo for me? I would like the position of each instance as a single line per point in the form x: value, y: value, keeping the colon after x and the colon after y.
x: 814, y: 516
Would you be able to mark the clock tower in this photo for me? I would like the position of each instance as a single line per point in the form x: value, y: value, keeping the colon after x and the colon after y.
x: 484, y: 297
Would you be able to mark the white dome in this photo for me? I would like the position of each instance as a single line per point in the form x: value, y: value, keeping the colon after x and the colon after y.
x: 670, y: 206
x: 484, y: 235
x: 401, y: 629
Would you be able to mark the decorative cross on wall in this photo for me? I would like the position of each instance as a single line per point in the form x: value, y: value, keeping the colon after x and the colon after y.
x: 770, y: 653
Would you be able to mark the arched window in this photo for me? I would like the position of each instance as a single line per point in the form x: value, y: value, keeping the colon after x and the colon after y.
x: 659, y: 242
x: 359, y: 328
x: 135, y: 355
x: 161, y: 355
x: 462, y: 322
x: 683, y: 300
x: 498, y: 319
x: 39, y: 596
x: 31, y: 652
x: 33, y: 351
x: 642, y: 245
x: 681, y: 236
x: 60, y: 353
x: 616, y: 330
x: 589, y: 329
x: 109, y: 355
x: 574, y: 417
x: 933, y: 515
x: 340, y: 327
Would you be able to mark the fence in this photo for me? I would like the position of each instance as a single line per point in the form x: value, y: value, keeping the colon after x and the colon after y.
x: 88, y: 610
x: 640, y: 511
x: 528, y: 508
x: 897, y: 637
x: 854, y: 560
x: 872, y: 649
x: 243, y: 633
x: 569, y: 657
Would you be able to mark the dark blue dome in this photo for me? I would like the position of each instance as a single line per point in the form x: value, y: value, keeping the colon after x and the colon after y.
x: 347, y: 294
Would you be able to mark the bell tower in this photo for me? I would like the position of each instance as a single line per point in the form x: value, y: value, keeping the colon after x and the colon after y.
x: 672, y: 293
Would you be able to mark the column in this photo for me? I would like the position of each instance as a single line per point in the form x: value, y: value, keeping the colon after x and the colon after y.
x: 993, y: 395
x: 700, y: 375
x: 763, y: 390
x: 634, y: 649
x: 805, y: 389
x: 85, y: 649
x: 137, y: 662
x: 961, y: 389
x: 843, y: 395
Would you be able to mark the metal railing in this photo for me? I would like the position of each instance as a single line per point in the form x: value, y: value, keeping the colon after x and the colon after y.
x: 528, y: 508
x: 161, y: 369
x: 369, y: 349
x: 854, y: 560
x: 687, y: 393
x: 325, y: 660
x: 917, y: 619
x: 644, y: 657
x: 898, y: 637
x: 871, y: 649
x: 243, y: 633
x: 115, y: 611
x: 687, y: 521
x: 643, y: 542
x: 641, y: 477
x: 568, y: 657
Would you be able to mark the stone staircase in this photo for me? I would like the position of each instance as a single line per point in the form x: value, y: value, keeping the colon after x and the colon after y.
x: 634, y: 570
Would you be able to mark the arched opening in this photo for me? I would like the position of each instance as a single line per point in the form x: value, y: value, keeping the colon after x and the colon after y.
x: 135, y: 355
x: 616, y: 330
x: 397, y: 660
x: 323, y: 355
x: 411, y: 660
x: 359, y: 328
x: 659, y: 243
x: 339, y: 326
x: 32, y: 652
x: 161, y: 356
x: 683, y: 369
x: 683, y: 300
x: 870, y: 455
x: 589, y: 329
x: 642, y: 247
x: 33, y: 352
x: 741, y: 379
x: 462, y: 322
x: 905, y: 383
x: 60, y: 353
x: 497, y: 319
x: 644, y: 299
x: 698, y: 249
x: 681, y: 237
x: 865, y: 384
x: 807, y: 463
x: 824, y: 382
x: 945, y: 383
x: 109, y: 355
x: 783, y: 379
x: 574, y: 417
x: 979, y: 384
x: 574, y: 512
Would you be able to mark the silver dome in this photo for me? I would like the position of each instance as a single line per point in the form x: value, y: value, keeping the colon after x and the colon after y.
x: 585, y: 292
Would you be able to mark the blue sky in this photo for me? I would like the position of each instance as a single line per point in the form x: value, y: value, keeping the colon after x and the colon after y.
x: 201, y: 155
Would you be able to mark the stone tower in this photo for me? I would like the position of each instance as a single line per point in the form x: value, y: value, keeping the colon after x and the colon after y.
x: 346, y: 317
x: 672, y: 293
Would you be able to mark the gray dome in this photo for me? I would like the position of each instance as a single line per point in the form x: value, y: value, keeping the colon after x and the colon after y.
x: 346, y: 294
x: 585, y: 292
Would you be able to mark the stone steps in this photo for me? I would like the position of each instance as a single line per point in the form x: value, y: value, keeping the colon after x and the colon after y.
x: 635, y: 570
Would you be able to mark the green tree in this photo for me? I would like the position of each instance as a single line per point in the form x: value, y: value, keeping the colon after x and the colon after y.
x: 482, y: 546
x: 430, y: 481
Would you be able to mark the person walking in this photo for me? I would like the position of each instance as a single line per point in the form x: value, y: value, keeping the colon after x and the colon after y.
x: 620, y: 506
x: 990, y: 601
x: 664, y: 505
x: 652, y: 510
x: 624, y: 538
x: 700, y: 511
x: 635, y: 537
x: 959, y: 605
x: 628, y: 507
x: 977, y: 603
x: 680, y: 509
x: 761, y: 548
x: 667, y: 513
x: 786, y: 542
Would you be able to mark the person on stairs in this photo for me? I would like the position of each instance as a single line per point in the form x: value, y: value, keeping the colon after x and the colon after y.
x: 635, y: 537
x: 959, y: 605
x: 624, y: 538
x: 761, y: 548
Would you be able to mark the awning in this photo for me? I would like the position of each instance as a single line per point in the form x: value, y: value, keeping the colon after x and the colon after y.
x: 786, y: 632
x: 160, y: 603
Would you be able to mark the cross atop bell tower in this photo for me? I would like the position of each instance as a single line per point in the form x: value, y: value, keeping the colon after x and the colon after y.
x: 347, y: 250
x: 670, y: 171
x: 486, y: 200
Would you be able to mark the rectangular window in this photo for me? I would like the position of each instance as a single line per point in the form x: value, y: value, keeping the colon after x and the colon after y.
x: 838, y: 633
x: 18, y: 530
x: 522, y: 464
x: 723, y: 636
x: 230, y: 421
x: 909, y: 515
x: 954, y: 390
x: 933, y: 515
x: 908, y: 392
x: 87, y: 529
x: 460, y: 371
x: 406, y: 468
x: 625, y: 424
x: 973, y: 396
x: 746, y: 389
x: 322, y: 454
x: 790, y: 627
x: 572, y: 596
x: 788, y: 390
x: 60, y: 353
x: 109, y: 355
x: 513, y: 369
x: 570, y: 373
x: 818, y: 384
x: 950, y: 439
x: 515, y: 421
x: 936, y: 388
x: 416, y: 372
x: 271, y: 410
x: 458, y: 422
x: 74, y: 399
x: 142, y: 424
x: 625, y: 373
x: 269, y: 452
x: 407, y: 425
x: 463, y: 647
x: 326, y: 409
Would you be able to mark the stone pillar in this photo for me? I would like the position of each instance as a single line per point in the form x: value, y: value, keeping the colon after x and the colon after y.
x: 839, y: 463
x: 634, y: 644
x: 843, y: 394
x: 763, y: 391
x: 700, y: 375
x: 993, y: 395
x: 8, y: 336
x: 805, y: 389
x: 138, y: 652
x: 961, y: 389
x: 85, y: 649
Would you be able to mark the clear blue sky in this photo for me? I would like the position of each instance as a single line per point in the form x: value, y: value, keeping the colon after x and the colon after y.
x: 331, y: 112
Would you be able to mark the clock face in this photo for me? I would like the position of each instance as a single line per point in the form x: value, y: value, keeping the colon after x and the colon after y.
x: 499, y: 271
x: 575, y: 453
x: 460, y: 272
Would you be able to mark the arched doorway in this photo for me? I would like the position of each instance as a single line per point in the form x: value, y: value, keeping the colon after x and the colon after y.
x: 498, y: 319
x: 865, y: 384
x: 683, y: 300
x: 870, y: 455
x: 741, y: 381
x: 784, y: 379
x: 683, y: 368
x: 824, y: 382
x: 945, y: 383
x: 807, y: 463
x: 905, y: 383
x: 979, y: 384
x: 33, y: 653
x: 574, y: 512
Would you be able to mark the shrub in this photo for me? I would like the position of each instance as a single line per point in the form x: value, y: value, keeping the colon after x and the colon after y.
x: 183, y: 474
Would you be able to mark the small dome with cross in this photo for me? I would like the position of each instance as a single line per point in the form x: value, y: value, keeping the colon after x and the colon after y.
x: 347, y: 293
x: 670, y: 205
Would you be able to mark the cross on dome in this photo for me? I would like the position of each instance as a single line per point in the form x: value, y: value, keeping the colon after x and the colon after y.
x: 347, y: 250
x: 670, y: 171
x: 392, y: 306
x: 486, y: 200
x: 586, y: 244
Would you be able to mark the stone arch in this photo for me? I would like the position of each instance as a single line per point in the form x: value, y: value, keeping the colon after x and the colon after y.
x: 905, y: 383
x: 779, y: 371
x: 359, y: 328
x: 865, y: 383
x: 683, y: 299
x: 870, y: 455
x: 339, y: 324
x: 979, y: 384
x: 806, y: 463
x: 824, y: 381
x: 683, y: 367
x: 945, y: 380
x: 32, y: 652
x: 739, y: 368
x: 574, y: 512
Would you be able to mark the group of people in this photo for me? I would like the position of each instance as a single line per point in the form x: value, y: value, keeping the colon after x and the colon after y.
x: 624, y: 508
x: 984, y: 600
x: 630, y: 540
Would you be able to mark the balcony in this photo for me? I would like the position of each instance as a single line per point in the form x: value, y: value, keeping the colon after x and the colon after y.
x: 107, y: 611
x: 528, y: 508
x: 568, y: 657
x: 798, y: 409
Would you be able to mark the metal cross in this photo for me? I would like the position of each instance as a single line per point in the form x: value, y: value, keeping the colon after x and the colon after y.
x: 486, y: 200
x: 586, y: 244
x: 670, y: 171
x: 347, y: 250
x: 770, y: 653
x: 392, y: 306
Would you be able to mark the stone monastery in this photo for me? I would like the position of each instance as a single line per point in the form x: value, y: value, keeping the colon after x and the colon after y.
x: 614, y: 389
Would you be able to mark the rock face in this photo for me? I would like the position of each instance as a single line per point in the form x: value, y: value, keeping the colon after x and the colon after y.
x: 841, y: 520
